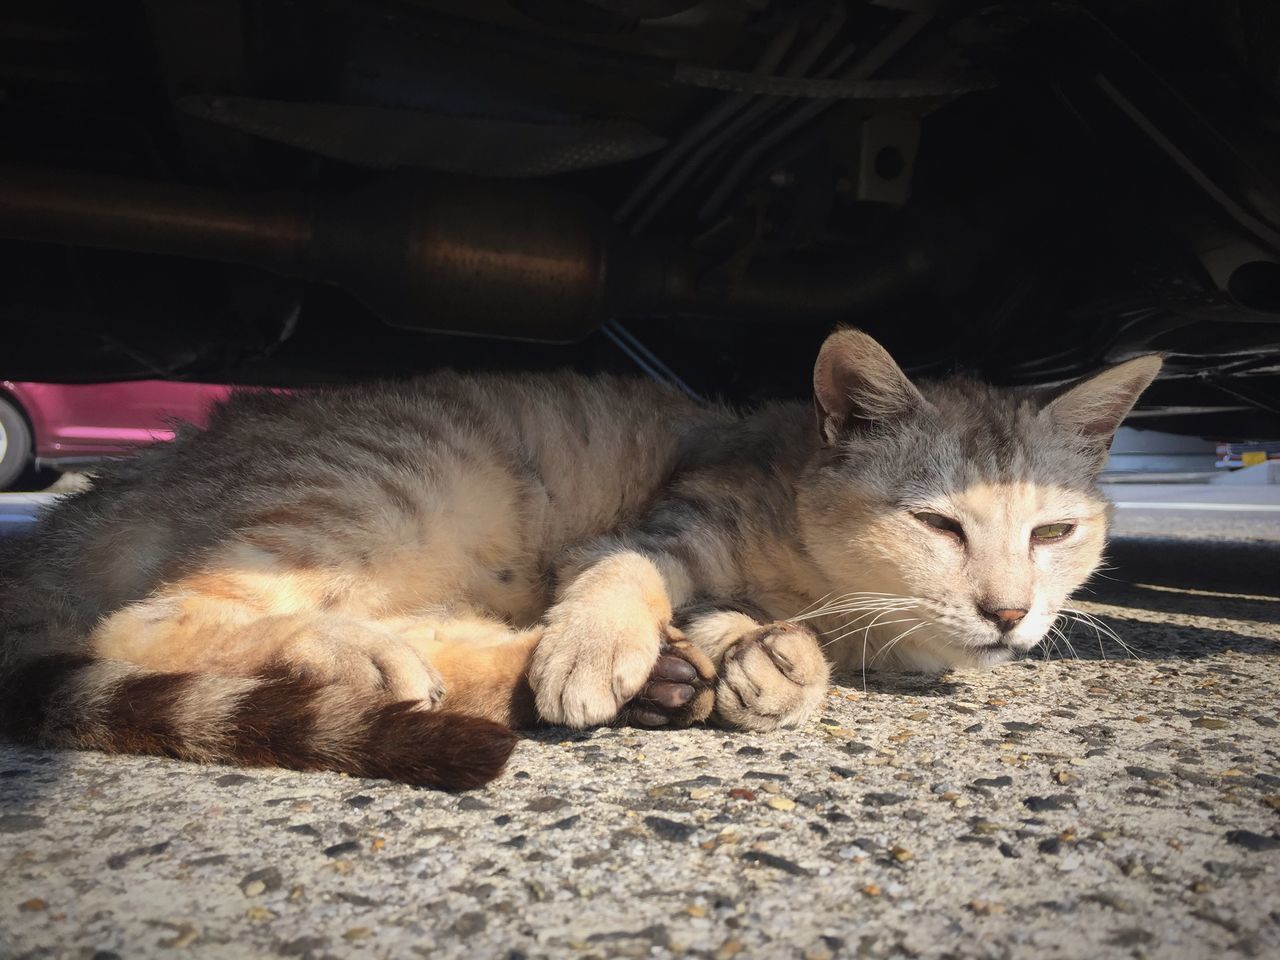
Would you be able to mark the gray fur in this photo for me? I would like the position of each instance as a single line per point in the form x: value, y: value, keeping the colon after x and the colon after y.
x: 515, y: 498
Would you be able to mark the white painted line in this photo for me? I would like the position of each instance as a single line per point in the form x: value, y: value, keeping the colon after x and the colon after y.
x: 1227, y: 507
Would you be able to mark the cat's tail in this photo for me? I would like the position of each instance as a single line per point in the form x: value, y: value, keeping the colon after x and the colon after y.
x: 274, y: 720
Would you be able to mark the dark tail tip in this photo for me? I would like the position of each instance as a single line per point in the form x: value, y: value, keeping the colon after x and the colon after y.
x: 25, y: 694
x: 275, y: 726
x: 449, y: 750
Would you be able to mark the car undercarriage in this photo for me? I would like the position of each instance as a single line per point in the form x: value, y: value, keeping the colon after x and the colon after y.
x: 277, y: 191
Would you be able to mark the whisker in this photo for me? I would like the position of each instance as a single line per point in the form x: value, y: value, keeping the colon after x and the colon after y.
x: 872, y: 607
x: 898, y: 639
x: 866, y: 638
x: 822, y: 599
x: 875, y: 611
x: 852, y: 607
x: 867, y: 627
x: 849, y: 606
x: 1101, y: 628
x: 1066, y: 639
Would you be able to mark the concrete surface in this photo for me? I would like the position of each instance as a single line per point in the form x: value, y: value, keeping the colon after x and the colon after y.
x: 1052, y: 808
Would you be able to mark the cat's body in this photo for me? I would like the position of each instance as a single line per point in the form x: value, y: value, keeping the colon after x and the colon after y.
x: 276, y: 588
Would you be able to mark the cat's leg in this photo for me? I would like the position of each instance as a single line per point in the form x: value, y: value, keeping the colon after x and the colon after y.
x: 770, y: 674
x: 603, y: 637
x: 243, y: 624
x: 485, y: 666
x: 609, y: 654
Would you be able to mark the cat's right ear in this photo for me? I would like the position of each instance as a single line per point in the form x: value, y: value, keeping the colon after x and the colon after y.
x: 856, y: 383
x: 1094, y: 407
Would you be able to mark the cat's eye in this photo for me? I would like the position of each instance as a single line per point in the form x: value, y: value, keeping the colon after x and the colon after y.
x: 1052, y: 531
x: 944, y: 524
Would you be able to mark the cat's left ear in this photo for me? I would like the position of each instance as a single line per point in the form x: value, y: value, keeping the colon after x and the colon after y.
x: 1095, y: 407
x: 855, y: 383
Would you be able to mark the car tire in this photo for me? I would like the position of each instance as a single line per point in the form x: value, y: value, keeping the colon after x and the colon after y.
x: 15, y: 444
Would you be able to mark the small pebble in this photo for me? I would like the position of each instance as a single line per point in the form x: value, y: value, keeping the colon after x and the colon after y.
x: 266, y: 880
x: 765, y: 859
x: 1256, y: 842
x: 781, y: 803
x: 547, y: 804
x: 671, y: 830
x: 1058, y: 801
x: 882, y: 799
x: 994, y: 782
x: 985, y: 908
x: 1209, y: 723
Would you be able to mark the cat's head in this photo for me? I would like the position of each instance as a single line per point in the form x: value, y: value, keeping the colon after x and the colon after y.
x: 955, y: 516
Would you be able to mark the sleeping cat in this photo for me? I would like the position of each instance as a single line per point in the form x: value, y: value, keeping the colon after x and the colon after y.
x: 384, y: 580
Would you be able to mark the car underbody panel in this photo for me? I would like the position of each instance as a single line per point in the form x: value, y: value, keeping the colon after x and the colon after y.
x: 267, y: 191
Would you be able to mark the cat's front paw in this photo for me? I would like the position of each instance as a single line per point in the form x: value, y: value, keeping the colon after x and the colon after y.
x: 586, y: 667
x: 680, y: 691
x: 772, y: 677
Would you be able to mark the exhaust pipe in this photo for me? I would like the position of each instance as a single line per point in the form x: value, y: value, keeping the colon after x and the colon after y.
x: 451, y: 256
x: 488, y: 258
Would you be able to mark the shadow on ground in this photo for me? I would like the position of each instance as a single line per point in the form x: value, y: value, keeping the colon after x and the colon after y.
x: 1200, y: 565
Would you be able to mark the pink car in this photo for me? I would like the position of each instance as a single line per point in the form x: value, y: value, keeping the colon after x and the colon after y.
x: 66, y: 426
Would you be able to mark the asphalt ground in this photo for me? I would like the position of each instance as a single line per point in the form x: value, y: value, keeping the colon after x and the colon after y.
x: 1090, y: 802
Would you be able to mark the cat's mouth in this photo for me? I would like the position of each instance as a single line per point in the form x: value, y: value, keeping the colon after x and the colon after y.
x: 990, y: 653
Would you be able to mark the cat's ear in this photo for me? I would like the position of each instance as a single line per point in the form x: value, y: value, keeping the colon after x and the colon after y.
x: 1095, y: 406
x: 855, y: 381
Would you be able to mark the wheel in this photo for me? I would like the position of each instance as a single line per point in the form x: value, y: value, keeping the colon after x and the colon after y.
x: 15, y: 444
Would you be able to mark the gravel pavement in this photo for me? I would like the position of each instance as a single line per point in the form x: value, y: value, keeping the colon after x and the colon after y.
x: 1051, y: 808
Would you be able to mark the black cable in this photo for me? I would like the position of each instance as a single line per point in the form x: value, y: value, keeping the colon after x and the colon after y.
x: 809, y: 88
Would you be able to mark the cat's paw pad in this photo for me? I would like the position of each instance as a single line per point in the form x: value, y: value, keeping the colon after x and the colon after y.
x: 680, y: 690
x: 772, y: 677
x: 379, y: 665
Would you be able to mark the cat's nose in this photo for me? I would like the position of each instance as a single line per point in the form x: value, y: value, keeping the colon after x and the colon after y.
x: 1005, y: 618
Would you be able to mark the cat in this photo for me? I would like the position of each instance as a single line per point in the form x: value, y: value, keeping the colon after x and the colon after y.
x: 384, y: 580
